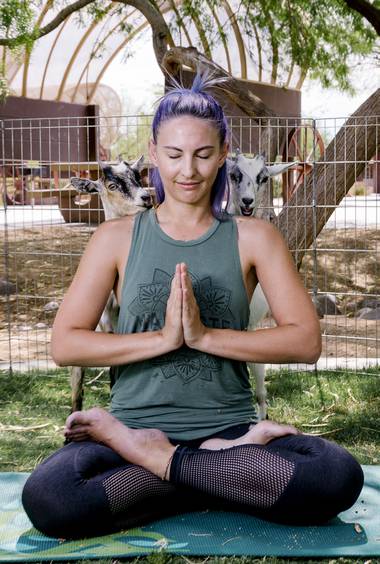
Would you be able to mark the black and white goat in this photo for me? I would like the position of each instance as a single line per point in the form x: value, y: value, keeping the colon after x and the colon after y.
x: 248, y: 177
x: 121, y: 192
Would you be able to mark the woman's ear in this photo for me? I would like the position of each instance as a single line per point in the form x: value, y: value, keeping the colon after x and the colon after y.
x: 153, y: 152
x: 223, y: 153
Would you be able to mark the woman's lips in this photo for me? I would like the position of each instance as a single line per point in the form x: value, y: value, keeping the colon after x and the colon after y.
x: 188, y: 185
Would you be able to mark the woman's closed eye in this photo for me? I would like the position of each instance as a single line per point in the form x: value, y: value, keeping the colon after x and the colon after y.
x: 199, y: 156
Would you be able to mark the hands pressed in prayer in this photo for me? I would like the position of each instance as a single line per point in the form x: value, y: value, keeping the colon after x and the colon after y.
x: 193, y: 328
x: 173, y: 329
x: 182, y: 322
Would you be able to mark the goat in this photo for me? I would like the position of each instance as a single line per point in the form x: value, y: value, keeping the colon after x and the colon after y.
x: 121, y: 192
x: 248, y: 178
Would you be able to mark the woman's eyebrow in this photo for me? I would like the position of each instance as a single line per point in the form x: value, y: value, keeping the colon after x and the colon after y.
x: 198, y: 149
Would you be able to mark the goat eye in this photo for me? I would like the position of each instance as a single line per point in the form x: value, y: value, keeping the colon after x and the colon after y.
x: 236, y: 176
x: 262, y: 178
x: 111, y: 186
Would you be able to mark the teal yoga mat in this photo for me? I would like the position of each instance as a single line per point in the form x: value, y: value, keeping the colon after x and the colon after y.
x: 355, y: 532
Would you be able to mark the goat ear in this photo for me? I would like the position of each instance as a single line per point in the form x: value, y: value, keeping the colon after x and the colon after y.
x: 106, y: 169
x: 138, y: 163
x: 279, y: 168
x: 83, y: 185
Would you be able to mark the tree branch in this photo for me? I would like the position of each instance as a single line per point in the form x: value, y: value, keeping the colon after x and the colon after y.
x: 160, y: 31
x: 367, y: 10
x: 190, y: 57
x: 59, y: 18
x: 161, y: 34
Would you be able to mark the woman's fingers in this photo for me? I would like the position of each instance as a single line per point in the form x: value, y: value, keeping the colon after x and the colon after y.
x: 172, y: 330
x: 77, y: 435
x: 77, y: 418
x: 193, y: 328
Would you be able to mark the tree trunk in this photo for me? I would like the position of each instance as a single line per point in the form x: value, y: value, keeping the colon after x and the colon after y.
x: 160, y: 31
x: 304, y: 216
x: 250, y: 104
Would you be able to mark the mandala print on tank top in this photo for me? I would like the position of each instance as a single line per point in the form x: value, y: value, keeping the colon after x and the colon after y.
x: 149, y: 307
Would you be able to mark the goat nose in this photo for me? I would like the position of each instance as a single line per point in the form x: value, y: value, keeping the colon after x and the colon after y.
x: 247, y: 201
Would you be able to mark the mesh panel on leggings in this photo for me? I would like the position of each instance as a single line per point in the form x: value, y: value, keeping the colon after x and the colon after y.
x: 131, y: 485
x: 247, y: 474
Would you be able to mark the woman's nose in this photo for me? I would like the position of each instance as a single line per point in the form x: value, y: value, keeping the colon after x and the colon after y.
x: 188, y: 167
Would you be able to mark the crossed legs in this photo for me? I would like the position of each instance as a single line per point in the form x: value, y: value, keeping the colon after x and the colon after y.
x: 136, y: 476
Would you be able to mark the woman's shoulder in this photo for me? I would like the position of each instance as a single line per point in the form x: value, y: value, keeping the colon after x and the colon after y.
x: 256, y: 229
x: 116, y: 228
x: 111, y: 238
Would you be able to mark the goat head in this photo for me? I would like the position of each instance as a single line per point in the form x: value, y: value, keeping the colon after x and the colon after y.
x: 248, y: 177
x: 119, y: 187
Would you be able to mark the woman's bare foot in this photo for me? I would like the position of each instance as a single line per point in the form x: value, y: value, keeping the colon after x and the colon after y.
x: 260, y: 434
x: 149, y: 448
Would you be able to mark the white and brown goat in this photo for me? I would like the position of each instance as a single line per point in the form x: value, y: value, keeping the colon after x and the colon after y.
x: 121, y: 192
x: 248, y: 177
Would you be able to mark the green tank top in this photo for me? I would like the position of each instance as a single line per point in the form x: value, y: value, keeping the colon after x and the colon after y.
x: 186, y: 393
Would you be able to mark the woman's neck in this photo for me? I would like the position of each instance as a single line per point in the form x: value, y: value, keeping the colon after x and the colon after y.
x: 184, y: 222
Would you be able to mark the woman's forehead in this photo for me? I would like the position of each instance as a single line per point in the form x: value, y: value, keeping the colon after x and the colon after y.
x: 187, y: 130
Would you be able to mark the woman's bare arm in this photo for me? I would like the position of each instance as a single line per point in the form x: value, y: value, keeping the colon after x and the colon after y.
x: 297, y: 335
x: 74, y: 340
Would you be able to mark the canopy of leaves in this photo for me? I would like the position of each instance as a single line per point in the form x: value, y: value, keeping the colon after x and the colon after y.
x: 318, y: 36
x: 315, y: 36
x: 16, y: 20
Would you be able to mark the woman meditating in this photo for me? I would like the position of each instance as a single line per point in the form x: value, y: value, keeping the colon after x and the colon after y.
x: 181, y: 432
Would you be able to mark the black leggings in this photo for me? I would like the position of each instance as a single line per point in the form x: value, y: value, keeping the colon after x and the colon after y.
x: 86, y: 489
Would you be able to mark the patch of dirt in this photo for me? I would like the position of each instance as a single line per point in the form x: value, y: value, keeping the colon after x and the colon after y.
x: 42, y: 260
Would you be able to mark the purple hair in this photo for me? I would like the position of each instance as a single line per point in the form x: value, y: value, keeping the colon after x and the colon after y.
x: 197, y: 103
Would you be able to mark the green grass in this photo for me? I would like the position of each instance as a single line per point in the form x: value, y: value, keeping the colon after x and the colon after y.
x: 342, y: 405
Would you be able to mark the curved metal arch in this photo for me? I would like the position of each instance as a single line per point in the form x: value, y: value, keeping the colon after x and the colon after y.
x: 93, y: 52
x: 24, y: 88
x: 113, y: 55
x: 202, y: 35
x: 79, y: 47
x: 111, y: 58
x: 259, y: 52
x: 58, y: 35
x: 174, y: 8
x: 239, y: 39
x: 223, y: 39
x: 290, y: 74
x: 301, y: 79
x: 17, y: 68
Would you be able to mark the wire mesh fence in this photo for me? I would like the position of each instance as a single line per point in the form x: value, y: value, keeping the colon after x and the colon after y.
x: 334, y: 186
